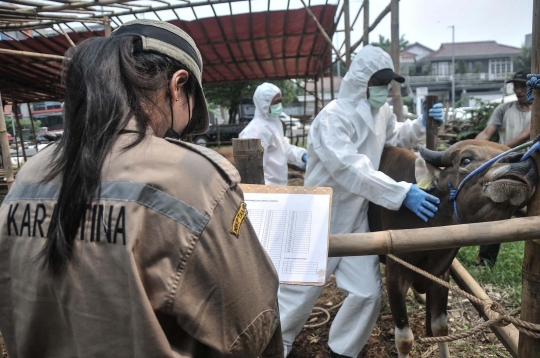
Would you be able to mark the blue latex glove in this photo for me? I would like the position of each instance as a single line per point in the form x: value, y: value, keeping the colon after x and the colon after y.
x: 304, y: 158
x: 436, y: 112
x: 421, y: 203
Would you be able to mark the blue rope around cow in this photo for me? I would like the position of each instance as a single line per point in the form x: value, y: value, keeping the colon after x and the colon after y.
x: 532, y: 83
x: 534, y: 144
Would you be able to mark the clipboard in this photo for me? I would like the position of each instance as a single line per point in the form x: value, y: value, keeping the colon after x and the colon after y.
x: 293, y: 225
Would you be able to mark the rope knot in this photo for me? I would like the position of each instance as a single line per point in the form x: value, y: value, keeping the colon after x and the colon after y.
x: 532, y: 83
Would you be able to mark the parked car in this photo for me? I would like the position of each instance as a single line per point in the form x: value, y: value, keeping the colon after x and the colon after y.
x: 226, y: 133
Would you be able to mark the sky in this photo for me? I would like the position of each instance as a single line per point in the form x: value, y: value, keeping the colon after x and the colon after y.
x: 424, y: 21
x: 428, y: 21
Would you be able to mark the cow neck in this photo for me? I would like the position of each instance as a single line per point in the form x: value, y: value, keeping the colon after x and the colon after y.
x: 446, y: 207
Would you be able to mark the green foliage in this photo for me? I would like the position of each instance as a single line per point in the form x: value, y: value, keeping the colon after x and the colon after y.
x: 386, y: 45
x: 478, y: 67
x: 229, y: 94
x: 461, y: 67
x: 479, y: 117
x: 524, y: 59
x: 409, y: 102
x: 505, y: 275
x: 25, y: 124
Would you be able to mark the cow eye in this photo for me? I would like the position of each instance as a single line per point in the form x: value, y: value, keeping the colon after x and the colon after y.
x: 465, y: 161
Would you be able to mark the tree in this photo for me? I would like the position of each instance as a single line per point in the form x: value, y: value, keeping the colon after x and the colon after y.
x: 478, y: 67
x: 229, y: 94
x: 386, y: 45
x: 523, y: 60
x: 461, y: 67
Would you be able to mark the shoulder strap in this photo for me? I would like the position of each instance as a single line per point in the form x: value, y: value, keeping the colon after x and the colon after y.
x: 227, y: 170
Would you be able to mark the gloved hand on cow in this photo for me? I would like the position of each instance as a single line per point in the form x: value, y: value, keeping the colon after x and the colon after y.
x: 436, y: 112
x: 421, y: 203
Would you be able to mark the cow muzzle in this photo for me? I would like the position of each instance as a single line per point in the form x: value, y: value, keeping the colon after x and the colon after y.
x: 511, y: 180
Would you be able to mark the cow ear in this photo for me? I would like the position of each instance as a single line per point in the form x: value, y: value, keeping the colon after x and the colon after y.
x: 425, y: 173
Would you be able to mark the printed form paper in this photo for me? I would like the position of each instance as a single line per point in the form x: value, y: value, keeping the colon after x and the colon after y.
x: 293, y: 229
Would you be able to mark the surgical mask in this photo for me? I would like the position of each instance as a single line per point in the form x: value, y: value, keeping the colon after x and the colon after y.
x: 276, y: 110
x: 377, y: 96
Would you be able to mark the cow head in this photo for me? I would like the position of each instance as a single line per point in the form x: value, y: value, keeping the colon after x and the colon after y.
x: 493, y: 194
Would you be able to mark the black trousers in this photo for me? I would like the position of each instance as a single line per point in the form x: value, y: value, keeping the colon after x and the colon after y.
x: 488, y: 254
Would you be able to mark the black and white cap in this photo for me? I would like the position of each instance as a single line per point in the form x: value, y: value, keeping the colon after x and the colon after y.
x: 521, y: 75
x: 171, y: 41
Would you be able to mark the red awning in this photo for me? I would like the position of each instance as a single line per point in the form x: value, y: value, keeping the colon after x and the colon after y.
x: 264, y: 45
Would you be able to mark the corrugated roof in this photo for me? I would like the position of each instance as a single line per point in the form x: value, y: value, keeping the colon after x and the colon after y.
x: 262, y: 45
x: 480, y: 48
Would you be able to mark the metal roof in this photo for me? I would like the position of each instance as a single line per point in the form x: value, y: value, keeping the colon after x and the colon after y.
x: 238, y: 46
x: 468, y: 49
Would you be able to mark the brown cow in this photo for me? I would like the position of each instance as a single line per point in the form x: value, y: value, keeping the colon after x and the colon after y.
x: 494, y: 194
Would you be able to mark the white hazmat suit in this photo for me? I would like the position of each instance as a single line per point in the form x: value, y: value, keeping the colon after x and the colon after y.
x: 277, y: 149
x: 346, y: 141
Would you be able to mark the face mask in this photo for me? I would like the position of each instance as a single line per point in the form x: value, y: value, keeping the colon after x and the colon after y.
x: 377, y: 96
x: 276, y: 110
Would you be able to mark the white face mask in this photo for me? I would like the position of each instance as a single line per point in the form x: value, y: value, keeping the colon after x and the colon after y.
x: 276, y: 110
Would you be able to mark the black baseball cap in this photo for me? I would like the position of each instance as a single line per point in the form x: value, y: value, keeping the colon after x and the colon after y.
x: 387, y: 75
x: 520, y: 76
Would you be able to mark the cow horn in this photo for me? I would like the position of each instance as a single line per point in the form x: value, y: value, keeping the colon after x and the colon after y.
x: 433, y: 157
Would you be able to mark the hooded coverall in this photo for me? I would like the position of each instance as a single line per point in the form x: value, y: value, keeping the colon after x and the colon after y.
x: 346, y: 141
x: 277, y: 149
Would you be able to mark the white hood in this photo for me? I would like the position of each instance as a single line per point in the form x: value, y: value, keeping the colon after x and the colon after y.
x: 264, y: 94
x: 367, y: 61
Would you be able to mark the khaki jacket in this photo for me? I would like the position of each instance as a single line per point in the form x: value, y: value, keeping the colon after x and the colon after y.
x: 156, y: 271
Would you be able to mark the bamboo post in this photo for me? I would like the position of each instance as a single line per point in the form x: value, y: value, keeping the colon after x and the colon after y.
x: 316, y: 111
x: 432, y: 126
x: 434, y: 238
x: 305, y: 115
x: 321, y: 30
x: 107, y: 24
x: 33, y: 127
x: 530, y: 307
x: 508, y: 335
x: 365, y: 38
x: 248, y: 159
x: 4, y: 144
x: 397, y: 101
x: 332, y: 81
x: 218, y: 132
x: 19, y: 128
x: 322, y: 88
x: 347, y: 18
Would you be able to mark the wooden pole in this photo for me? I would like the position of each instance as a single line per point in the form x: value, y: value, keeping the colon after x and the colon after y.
x: 530, y: 307
x: 248, y: 159
x: 435, y: 238
x: 347, y: 34
x: 332, y: 81
x: 508, y: 335
x: 316, y: 111
x: 305, y: 115
x: 397, y: 101
x: 19, y: 128
x: 322, y: 88
x: 30, y: 54
x: 33, y: 127
x: 4, y: 144
x: 365, y: 37
x: 321, y: 30
x: 107, y: 24
x: 432, y: 126
x: 379, y: 18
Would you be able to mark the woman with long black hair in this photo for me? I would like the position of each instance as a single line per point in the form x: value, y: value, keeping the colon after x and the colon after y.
x: 121, y: 240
